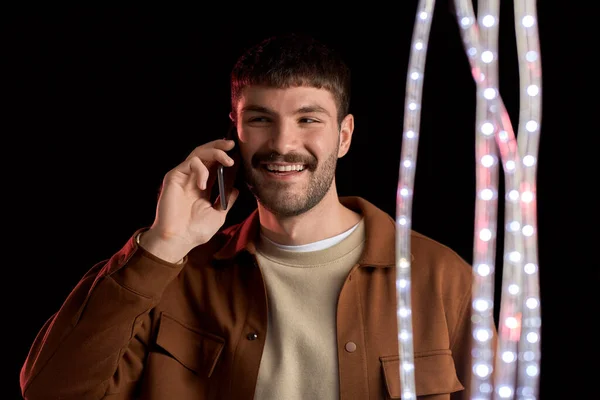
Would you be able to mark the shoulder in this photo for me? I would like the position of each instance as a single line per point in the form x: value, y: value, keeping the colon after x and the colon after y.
x: 438, y: 262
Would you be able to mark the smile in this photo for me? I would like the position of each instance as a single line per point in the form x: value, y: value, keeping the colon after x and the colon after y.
x: 284, y: 168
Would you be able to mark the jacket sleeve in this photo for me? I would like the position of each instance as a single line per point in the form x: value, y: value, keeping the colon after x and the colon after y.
x: 95, y: 345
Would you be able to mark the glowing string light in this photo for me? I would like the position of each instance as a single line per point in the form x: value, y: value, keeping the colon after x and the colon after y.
x: 519, y: 325
x: 410, y: 141
x: 486, y: 201
x: 528, y: 51
x: 509, y: 352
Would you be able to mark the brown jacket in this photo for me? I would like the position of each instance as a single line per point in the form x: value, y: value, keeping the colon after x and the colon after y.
x: 138, y: 327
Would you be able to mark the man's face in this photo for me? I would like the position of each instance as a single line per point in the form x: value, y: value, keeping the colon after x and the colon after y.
x: 289, y: 142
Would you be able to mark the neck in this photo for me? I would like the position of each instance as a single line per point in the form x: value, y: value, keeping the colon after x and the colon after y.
x: 325, y: 220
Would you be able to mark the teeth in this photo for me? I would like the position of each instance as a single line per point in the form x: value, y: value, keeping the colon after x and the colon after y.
x: 285, y: 168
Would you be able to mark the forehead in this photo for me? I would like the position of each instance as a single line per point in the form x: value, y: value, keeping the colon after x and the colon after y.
x: 286, y: 100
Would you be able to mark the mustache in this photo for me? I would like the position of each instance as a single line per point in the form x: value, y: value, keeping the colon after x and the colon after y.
x: 292, y: 158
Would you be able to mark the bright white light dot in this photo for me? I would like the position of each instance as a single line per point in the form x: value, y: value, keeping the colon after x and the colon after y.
x: 514, y: 226
x: 402, y: 220
x: 489, y: 93
x: 510, y: 165
x: 472, y: 51
x: 533, y: 90
x: 419, y: 45
x: 407, y: 395
x: 410, y: 134
x: 465, y: 21
x: 407, y: 163
x: 531, y: 56
x: 532, y: 337
x: 503, y: 135
x: 401, y: 283
x: 505, y: 392
x: 527, y: 196
x: 481, y: 305
x: 528, y: 160
x: 528, y: 230
x: 487, y: 161
x: 423, y: 15
x: 511, y: 322
x: 407, y: 366
x: 404, y: 263
x: 487, y: 128
x: 531, y: 370
x: 531, y: 303
x: 513, y: 195
x: 513, y: 289
x: 403, y: 312
x: 514, y: 256
x: 528, y: 21
x: 414, y: 76
x: 482, y: 370
x: 530, y: 268
x: 487, y: 56
x: 483, y: 269
x: 482, y: 335
x: 412, y: 106
x: 488, y: 21
x: 487, y: 194
x: 485, y: 234
x: 531, y: 126
x: 508, y: 356
x: 404, y: 335
x: 404, y: 192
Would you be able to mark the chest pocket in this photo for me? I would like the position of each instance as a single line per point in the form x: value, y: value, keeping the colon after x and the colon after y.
x: 195, y: 349
x: 434, y: 375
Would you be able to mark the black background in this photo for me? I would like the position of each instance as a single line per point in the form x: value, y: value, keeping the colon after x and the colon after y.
x: 100, y: 103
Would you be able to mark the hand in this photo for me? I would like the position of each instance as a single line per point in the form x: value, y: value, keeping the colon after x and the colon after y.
x: 185, y: 215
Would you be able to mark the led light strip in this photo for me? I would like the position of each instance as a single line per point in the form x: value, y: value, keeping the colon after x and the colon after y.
x: 530, y: 73
x: 404, y: 196
x: 520, y: 322
x: 509, y: 350
x: 486, y: 202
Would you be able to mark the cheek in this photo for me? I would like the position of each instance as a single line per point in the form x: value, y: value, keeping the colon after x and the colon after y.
x: 322, y: 146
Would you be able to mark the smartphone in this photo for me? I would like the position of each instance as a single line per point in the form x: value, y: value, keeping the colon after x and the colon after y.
x: 231, y: 135
x: 221, y: 179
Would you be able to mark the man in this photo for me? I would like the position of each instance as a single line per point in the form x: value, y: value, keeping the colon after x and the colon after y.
x: 296, y: 302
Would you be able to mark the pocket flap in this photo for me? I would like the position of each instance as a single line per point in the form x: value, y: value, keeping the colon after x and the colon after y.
x: 434, y: 374
x: 194, y: 348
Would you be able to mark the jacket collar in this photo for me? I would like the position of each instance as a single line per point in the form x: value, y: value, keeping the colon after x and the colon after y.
x: 380, y: 245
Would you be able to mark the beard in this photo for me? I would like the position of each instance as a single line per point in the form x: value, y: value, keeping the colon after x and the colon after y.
x: 278, y: 197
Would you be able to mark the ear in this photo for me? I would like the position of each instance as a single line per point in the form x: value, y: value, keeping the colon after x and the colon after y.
x: 346, y: 130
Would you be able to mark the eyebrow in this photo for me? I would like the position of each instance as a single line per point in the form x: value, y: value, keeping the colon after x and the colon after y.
x: 302, y: 110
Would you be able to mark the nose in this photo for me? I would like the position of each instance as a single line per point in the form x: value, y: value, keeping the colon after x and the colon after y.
x: 284, y: 138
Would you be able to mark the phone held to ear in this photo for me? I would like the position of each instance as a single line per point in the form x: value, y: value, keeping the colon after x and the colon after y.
x: 221, y: 179
x: 231, y: 135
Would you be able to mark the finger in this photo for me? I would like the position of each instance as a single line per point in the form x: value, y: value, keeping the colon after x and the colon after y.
x: 205, y: 151
x: 197, y: 168
x: 223, y: 158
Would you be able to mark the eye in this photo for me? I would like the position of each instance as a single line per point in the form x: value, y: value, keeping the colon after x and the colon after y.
x: 308, y: 120
x: 259, y: 119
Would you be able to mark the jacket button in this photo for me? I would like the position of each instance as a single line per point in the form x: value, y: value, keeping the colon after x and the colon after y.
x: 252, y: 336
x: 350, y: 347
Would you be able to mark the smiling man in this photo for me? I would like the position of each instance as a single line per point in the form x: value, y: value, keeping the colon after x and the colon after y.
x: 291, y: 139
x: 296, y: 302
